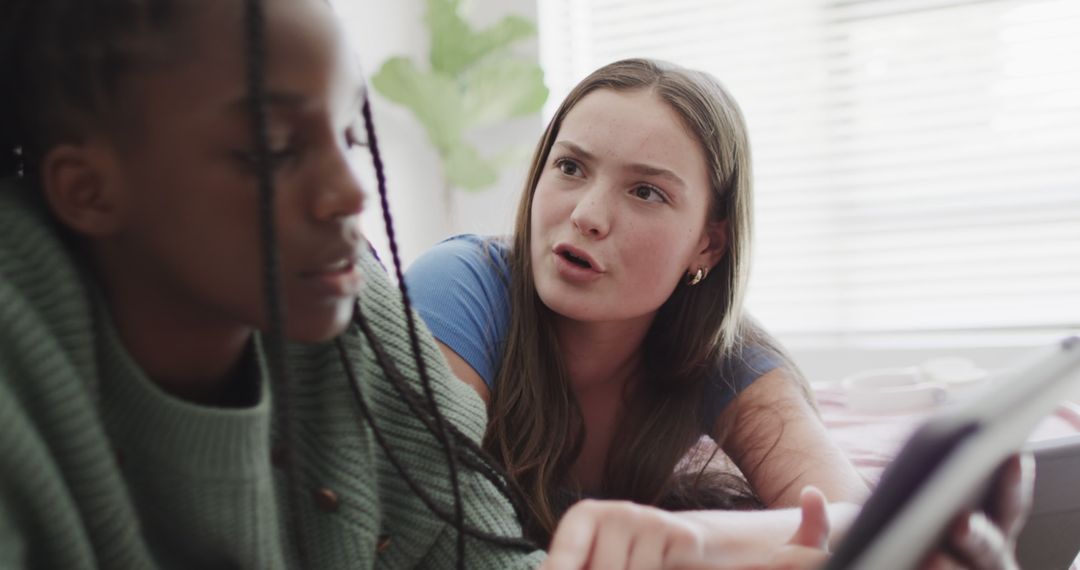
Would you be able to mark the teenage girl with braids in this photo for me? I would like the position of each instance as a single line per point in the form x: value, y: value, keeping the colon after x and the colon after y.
x: 182, y: 181
x: 176, y: 179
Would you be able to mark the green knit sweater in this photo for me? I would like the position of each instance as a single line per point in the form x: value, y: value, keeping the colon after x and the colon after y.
x: 100, y: 468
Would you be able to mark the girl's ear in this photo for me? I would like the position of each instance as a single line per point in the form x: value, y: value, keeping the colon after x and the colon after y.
x: 83, y: 189
x: 713, y: 245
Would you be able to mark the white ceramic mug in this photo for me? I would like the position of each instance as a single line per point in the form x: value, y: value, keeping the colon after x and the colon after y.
x: 891, y: 390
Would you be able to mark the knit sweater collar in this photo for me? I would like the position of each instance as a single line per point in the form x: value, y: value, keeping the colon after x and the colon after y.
x: 154, y: 425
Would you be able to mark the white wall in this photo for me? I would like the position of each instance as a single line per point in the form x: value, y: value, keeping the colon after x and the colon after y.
x: 380, y: 30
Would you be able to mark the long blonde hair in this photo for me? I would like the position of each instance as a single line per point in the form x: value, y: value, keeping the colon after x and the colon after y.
x: 536, y: 428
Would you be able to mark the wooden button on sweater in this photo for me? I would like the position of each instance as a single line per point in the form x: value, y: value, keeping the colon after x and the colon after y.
x: 326, y: 500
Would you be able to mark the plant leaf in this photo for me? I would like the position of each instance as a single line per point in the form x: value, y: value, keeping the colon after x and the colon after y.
x: 455, y: 46
x: 466, y: 169
x: 434, y: 98
x: 449, y: 34
x: 499, y: 35
x: 500, y: 88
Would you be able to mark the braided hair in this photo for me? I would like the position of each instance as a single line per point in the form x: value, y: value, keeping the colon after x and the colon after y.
x: 62, y: 64
x: 67, y: 59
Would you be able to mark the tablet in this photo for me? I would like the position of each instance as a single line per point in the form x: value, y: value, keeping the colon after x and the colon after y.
x: 949, y: 462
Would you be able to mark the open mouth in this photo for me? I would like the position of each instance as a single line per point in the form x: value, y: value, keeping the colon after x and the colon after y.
x: 576, y: 260
x: 574, y: 257
x: 344, y: 265
x: 340, y: 266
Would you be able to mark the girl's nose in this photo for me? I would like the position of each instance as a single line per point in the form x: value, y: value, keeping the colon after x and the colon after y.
x: 340, y: 194
x: 591, y: 215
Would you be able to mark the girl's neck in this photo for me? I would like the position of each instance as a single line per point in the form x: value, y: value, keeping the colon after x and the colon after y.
x: 187, y: 351
x: 602, y: 361
x: 601, y: 356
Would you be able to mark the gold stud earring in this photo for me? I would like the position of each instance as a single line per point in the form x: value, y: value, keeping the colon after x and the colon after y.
x: 698, y: 276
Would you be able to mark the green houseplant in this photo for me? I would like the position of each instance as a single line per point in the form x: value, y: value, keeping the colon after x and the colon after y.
x: 472, y: 80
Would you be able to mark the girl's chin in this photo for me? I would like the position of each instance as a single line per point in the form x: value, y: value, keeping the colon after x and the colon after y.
x: 321, y: 328
x: 572, y: 309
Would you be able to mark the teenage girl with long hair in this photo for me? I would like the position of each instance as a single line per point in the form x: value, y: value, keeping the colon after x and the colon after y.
x: 608, y: 334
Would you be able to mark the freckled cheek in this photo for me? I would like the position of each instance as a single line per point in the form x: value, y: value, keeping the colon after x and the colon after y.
x: 545, y: 217
x: 655, y: 260
x: 646, y: 260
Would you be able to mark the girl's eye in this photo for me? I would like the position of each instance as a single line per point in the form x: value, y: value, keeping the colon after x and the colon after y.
x: 568, y: 167
x: 648, y: 193
x: 352, y: 140
x: 277, y: 157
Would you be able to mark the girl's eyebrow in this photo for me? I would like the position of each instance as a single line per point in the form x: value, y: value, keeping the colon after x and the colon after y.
x: 638, y: 168
x: 649, y: 170
x: 575, y: 149
x: 290, y: 101
x: 271, y: 99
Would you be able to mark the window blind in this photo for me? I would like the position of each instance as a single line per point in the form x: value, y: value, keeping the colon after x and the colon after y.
x: 917, y: 162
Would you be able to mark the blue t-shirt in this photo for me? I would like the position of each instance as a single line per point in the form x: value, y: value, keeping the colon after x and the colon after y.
x: 460, y: 288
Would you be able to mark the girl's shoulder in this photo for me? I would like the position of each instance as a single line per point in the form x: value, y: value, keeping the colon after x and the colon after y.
x: 751, y: 358
x: 48, y: 346
x: 461, y: 289
x: 482, y: 257
x: 42, y: 287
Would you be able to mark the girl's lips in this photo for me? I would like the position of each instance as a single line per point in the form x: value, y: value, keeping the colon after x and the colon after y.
x: 562, y: 249
x: 339, y: 279
x: 573, y: 272
x: 335, y: 265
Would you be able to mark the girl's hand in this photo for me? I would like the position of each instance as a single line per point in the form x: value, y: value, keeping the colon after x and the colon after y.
x: 622, y: 535
x: 807, y: 549
x: 981, y: 541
